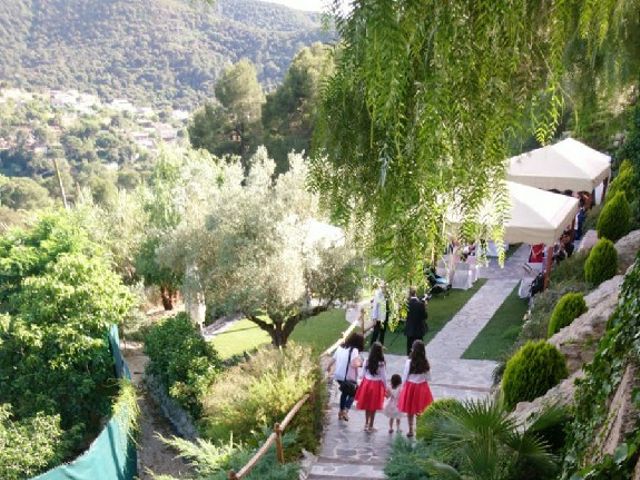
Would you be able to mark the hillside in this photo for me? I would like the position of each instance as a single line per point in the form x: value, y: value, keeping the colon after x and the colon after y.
x: 159, y: 52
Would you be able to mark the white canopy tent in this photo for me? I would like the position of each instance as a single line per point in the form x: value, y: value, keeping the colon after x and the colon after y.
x: 537, y: 216
x: 566, y: 165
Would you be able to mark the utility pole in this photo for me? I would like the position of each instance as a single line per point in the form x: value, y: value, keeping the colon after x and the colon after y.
x: 64, y: 196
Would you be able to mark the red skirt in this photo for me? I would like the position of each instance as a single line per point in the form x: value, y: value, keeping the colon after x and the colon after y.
x: 370, y: 395
x: 414, y: 398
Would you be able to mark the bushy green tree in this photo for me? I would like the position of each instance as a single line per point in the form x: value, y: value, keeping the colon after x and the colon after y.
x: 602, y: 262
x: 288, y: 115
x: 531, y: 372
x: 23, y: 193
x: 615, y: 217
x: 234, y: 126
x: 163, y: 215
x: 61, y: 296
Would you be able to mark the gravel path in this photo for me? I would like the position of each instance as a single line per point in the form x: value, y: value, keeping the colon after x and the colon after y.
x: 153, y: 454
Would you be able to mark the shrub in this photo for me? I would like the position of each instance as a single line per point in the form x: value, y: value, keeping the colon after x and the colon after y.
x: 29, y: 446
x: 256, y: 394
x: 624, y: 181
x: 214, y: 460
x: 602, y: 262
x: 537, y: 324
x: 428, y: 422
x: 182, y: 360
x: 570, y: 269
x: 405, y: 460
x: 615, y: 220
x: 570, y: 306
x: 534, y: 369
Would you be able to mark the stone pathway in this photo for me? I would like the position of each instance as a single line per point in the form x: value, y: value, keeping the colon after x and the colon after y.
x: 348, y: 453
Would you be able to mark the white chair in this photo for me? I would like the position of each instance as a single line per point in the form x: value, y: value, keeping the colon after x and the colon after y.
x: 441, y: 269
x: 462, y: 277
x: 473, y: 266
x: 531, y: 271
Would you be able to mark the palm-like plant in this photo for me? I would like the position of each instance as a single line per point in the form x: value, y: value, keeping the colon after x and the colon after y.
x: 487, y: 444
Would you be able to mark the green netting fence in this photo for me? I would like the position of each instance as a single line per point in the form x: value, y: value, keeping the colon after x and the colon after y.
x: 111, y: 456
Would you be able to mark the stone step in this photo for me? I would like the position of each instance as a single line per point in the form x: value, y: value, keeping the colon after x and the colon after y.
x: 329, y: 460
x: 341, y: 470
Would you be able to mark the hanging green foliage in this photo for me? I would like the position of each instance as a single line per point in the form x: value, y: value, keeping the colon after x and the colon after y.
x: 426, y: 95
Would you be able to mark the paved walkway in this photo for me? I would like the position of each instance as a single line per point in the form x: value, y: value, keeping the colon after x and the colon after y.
x: 348, y: 453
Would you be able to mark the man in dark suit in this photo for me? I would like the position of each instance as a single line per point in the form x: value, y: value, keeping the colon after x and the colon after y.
x: 415, y: 326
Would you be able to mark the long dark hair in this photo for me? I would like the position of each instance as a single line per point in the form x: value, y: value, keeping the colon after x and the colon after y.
x: 355, y: 340
x: 418, y: 356
x: 376, y: 358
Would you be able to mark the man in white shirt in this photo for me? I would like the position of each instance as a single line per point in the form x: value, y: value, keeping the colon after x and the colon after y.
x: 380, y: 313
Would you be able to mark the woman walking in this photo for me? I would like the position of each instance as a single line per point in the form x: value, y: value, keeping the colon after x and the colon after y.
x: 416, y: 395
x: 372, y: 390
x: 347, y: 361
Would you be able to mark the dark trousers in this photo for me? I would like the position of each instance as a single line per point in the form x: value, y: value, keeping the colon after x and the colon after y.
x: 345, y: 400
x: 379, y: 329
x: 410, y: 341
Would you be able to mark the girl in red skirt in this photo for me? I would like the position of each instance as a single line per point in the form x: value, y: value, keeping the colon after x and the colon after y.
x: 415, y: 396
x: 371, y: 392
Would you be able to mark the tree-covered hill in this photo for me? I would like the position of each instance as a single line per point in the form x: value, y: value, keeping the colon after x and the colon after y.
x: 150, y: 51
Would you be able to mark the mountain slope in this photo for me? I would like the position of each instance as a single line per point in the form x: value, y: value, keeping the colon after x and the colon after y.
x: 163, y: 52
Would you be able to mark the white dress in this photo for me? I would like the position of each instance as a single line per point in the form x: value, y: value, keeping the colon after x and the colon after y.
x: 391, y: 408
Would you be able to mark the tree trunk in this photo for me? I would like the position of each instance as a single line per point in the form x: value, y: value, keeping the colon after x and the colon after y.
x: 278, y: 337
x: 167, y: 298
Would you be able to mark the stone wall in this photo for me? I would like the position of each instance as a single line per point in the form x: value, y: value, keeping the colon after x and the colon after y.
x: 179, y: 418
x: 579, y: 340
x: 627, y: 248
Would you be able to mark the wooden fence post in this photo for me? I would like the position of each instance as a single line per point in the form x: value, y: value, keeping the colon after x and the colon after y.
x: 279, y: 449
x: 232, y: 475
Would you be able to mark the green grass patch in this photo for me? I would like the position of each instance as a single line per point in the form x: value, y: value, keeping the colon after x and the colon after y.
x: 499, y: 335
x: 321, y: 331
x: 241, y: 337
x: 318, y: 332
x: 441, y: 309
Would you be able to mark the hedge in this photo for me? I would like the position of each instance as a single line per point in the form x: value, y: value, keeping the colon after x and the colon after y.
x: 615, y: 219
x: 602, y: 263
x: 570, y: 307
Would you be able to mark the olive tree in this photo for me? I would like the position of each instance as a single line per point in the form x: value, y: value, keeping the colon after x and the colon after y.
x: 260, y: 251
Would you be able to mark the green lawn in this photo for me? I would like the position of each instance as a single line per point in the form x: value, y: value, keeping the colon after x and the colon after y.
x: 499, y: 335
x: 441, y: 309
x: 319, y: 332
x: 241, y: 337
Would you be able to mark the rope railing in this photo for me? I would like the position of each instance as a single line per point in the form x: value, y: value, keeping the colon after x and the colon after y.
x: 279, y: 428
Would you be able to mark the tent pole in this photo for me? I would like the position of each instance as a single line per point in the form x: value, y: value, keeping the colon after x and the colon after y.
x: 547, y: 270
x: 605, y: 183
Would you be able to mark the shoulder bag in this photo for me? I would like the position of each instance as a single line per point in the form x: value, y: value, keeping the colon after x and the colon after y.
x: 348, y: 387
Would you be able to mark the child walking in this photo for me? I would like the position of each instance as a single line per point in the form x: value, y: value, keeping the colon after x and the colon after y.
x: 391, y: 408
x: 416, y: 395
x: 371, y: 392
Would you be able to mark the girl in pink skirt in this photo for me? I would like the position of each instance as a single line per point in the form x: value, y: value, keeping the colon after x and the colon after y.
x: 371, y: 392
x: 415, y: 396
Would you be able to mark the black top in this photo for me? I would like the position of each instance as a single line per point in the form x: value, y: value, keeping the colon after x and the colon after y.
x: 416, y: 324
